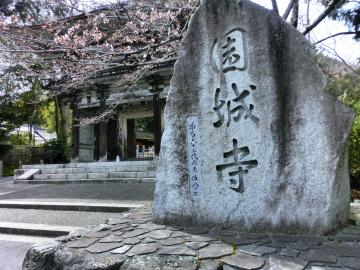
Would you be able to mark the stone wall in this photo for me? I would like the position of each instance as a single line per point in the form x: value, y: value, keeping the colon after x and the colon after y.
x: 24, y: 154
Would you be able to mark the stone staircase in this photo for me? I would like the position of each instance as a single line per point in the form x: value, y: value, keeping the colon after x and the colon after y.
x: 95, y: 172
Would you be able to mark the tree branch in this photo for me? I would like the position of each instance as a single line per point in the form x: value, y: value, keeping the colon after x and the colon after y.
x: 275, y: 6
x: 288, y: 9
x: 335, y: 35
x: 322, y: 16
x: 334, y: 53
x: 295, y: 14
x: 89, y: 50
x: 35, y: 51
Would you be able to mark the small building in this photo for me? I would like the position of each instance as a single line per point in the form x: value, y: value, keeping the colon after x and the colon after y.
x: 127, y: 122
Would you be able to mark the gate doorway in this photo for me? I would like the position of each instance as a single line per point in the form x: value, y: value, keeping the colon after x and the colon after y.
x: 139, y: 138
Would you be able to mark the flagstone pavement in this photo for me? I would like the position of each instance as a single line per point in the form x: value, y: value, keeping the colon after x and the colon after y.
x: 132, y: 242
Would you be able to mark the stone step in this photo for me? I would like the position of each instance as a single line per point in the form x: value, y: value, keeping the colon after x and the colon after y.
x: 47, y: 176
x: 35, y: 229
x: 69, y: 206
x: 148, y: 174
x: 95, y: 170
x: 141, y: 163
x: 86, y: 181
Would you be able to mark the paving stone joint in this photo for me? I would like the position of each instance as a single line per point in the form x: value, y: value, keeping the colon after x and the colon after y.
x: 131, y: 241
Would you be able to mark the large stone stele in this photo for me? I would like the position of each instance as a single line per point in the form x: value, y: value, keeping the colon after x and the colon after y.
x: 251, y: 142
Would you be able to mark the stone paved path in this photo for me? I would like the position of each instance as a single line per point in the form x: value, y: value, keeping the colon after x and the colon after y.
x: 132, y: 242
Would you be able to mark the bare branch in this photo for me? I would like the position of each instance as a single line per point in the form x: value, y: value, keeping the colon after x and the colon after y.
x: 154, y: 63
x: 288, y: 9
x: 275, y: 6
x: 335, y: 35
x: 335, y: 53
x: 332, y: 5
x: 35, y: 51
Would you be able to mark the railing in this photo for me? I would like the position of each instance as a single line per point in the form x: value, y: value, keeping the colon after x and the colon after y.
x: 143, y: 152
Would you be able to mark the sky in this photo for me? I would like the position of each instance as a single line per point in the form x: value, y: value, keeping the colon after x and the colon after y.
x: 345, y: 46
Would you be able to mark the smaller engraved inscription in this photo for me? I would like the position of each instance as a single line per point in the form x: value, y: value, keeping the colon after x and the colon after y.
x: 232, y: 51
x: 237, y: 111
x: 242, y: 166
x: 192, y: 130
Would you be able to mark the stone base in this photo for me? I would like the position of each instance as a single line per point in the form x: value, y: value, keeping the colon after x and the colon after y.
x: 130, y: 241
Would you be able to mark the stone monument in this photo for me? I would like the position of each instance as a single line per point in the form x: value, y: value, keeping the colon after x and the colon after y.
x: 251, y: 142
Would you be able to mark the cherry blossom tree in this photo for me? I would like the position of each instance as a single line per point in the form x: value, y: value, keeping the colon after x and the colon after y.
x: 64, y: 53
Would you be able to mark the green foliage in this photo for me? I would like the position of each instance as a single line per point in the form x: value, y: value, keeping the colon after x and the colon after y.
x: 56, y: 151
x: 348, y: 11
x: 21, y: 138
x: 47, y: 116
x: 145, y: 124
x: 4, y: 148
x: 347, y: 89
x: 354, y: 148
x: 9, y: 113
x: 28, y: 108
x: 9, y: 170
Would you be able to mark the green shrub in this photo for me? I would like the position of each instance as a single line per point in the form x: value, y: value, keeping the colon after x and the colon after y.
x: 9, y: 170
x: 354, y: 149
x: 4, y: 148
x: 56, y: 151
x: 21, y: 138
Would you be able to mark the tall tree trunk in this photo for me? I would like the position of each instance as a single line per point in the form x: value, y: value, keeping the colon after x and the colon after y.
x: 30, y: 133
x: 57, y: 126
x: 295, y: 14
x: 61, y: 118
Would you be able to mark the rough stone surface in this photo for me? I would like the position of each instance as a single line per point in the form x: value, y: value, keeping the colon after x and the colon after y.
x: 201, y: 238
x: 265, y: 100
x: 288, y: 252
x: 298, y: 246
x: 135, y: 233
x: 102, y: 247
x: 353, y: 263
x: 215, y: 251
x: 180, y: 250
x: 327, y: 268
x: 121, y: 250
x: 209, y: 265
x: 160, y: 262
x: 78, y: 259
x: 82, y: 243
x: 148, y: 240
x: 159, y: 234
x: 111, y: 239
x: 41, y: 256
x: 197, y: 245
x: 131, y: 241
x: 321, y: 255
x: 151, y: 226
x: 172, y: 241
x: 256, y: 250
x: 321, y: 252
x: 242, y: 261
x: 143, y: 249
x: 276, y: 263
